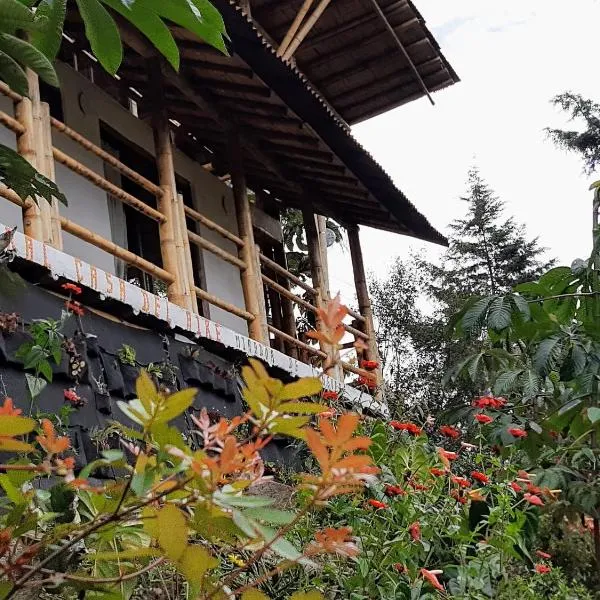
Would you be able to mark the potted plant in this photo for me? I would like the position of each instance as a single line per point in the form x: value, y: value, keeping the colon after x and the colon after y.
x: 190, y: 366
x: 11, y: 335
x: 164, y: 374
x: 126, y: 356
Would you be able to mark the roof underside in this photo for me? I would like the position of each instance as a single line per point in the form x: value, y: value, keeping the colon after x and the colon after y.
x: 294, y: 146
x: 352, y: 58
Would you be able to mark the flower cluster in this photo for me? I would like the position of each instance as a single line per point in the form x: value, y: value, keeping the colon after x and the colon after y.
x: 409, y: 427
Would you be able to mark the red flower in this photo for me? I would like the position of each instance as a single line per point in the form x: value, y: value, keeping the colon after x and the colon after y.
x: 8, y: 409
x: 415, y: 531
x: 481, y: 477
x: 516, y: 432
x: 431, y: 576
x: 516, y: 487
x: 449, y: 431
x: 489, y: 401
x: 419, y: 487
x: 369, y: 365
x: 377, y: 504
x: 394, y: 490
x: 368, y: 381
x: 457, y: 495
x: 447, y: 455
x: 437, y: 472
x: 74, y: 307
x: 399, y: 567
x: 542, y: 569
x: 533, y: 499
x: 461, y: 481
x: 327, y: 414
x: 410, y: 427
x: 330, y: 395
x: 72, y: 288
x: 483, y: 418
x: 534, y: 489
x: 71, y: 395
x: 543, y: 554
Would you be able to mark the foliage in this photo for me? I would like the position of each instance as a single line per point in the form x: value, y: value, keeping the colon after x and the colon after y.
x: 127, y: 355
x: 550, y: 586
x: 586, y: 143
x: 186, y: 504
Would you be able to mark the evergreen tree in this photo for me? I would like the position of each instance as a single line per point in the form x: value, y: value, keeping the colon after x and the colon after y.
x: 488, y: 254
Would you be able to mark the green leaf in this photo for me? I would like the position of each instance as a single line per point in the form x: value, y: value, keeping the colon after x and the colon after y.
x: 29, y: 56
x: 5, y: 588
x: 270, y: 515
x: 113, y: 455
x: 291, y: 426
x: 152, y: 26
x: 12, y: 73
x: 311, y: 595
x: 146, y: 392
x: 241, y: 501
x: 102, y: 33
x: 172, y: 531
x: 303, y: 408
x: 506, y: 381
x: 13, y: 493
x: 175, y: 404
x: 499, y: 314
x: 475, y: 316
x: 14, y: 15
x: 194, y: 563
x: 254, y: 594
x: 593, y: 414
x: 132, y: 554
x: 548, y: 354
x: 48, y: 39
x: 307, y: 386
x: 10, y: 426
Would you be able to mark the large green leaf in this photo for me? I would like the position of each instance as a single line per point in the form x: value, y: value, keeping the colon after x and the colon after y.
x: 548, y: 354
x: 48, y: 39
x: 12, y: 73
x: 475, y: 316
x: 152, y: 26
x: 29, y: 56
x: 506, y: 381
x: 102, y: 33
x: 499, y: 313
x: 14, y: 15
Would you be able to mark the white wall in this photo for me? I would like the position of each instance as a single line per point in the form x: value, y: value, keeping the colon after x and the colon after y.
x: 10, y: 214
x: 84, y: 106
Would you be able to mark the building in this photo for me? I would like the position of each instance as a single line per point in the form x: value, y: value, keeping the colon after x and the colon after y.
x: 176, y: 182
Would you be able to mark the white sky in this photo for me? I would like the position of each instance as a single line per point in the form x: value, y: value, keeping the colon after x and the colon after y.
x: 512, y: 57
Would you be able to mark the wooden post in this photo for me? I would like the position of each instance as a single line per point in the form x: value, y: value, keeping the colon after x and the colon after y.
x: 322, y: 227
x: 318, y: 281
x: 48, y: 169
x: 187, y: 254
x: 251, y: 280
x: 30, y: 148
x: 172, y: 255
x: 362, y: 292
x: 288, y: 324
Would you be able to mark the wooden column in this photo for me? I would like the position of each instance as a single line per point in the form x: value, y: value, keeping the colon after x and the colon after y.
x: 362, y: 292
x: 55, y: 229
x: 288, y: 323
x: 30, y: 148
x: 171, y: 243
x: 251, y: 279
x: 322, y: 226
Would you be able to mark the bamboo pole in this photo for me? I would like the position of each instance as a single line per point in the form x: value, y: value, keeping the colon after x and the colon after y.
x: 194, y: 214
x: 306, y: 29
x: 189, y: 265
x: 276, y: 317
x: 294, y: 27
x: 106, y: 157
x: 285, y: 273
x: 251, y: 283
x: 362, y: 291
x: 6, y: 91
x: 180, y: 233
x: 289, y: 295
x: 216, y: 301
x: 55, y: 231
x: 287, y: 308
x: 322, y: 227
x: 216, y: 250
x: 107, y: 186
x: 297, y: 343
x: 11, y: 123
x: 27, y: 147
x: 125, y: 255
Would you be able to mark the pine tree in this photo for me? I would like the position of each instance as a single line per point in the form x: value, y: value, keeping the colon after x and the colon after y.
x: 488, y: 254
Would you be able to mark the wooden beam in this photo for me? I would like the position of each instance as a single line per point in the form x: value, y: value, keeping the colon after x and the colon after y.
x: 229, y: 86
x: 251, y: 282
x: 305, y: 30
x: 291, y: 32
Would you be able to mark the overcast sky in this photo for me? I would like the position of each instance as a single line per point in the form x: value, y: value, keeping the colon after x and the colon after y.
x: 512, y: 57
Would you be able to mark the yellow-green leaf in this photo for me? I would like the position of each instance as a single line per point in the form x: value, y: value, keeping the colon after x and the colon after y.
x: 259, y: 369
x: 307, y: 386
x: 194, y: 563
x: 10, y: 445
x: 10, y: 425
x: 303, y: 408
x: 172, y: 531
x: 146, y: 392
x: 312, y: 595
x: 13, y: 493
x: 172, y: 406
x: 289, y: 426
x: 125, y: 554
x: 254, y: 594
x: 150, y: 522
x: 5, y: 588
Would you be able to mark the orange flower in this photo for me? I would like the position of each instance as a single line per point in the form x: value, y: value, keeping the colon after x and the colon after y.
x: 483, y: 418
x: 84, y: 484
x: 446, y: 457
x: 543, y: 554
x: 431, y: 576
x: 49, y: 442
x: 370, y: 382
x: 481, y: 477
x: 489, y: 401
x: 330, y: 395
x: 333, y: 541
x: 516, y: 432
x: 419, y: 487
x: 369, y: 365
x: 533, y: 489
x: 476, y: 496
x: 457, y: 495
x: 521, y: 474
x: 415, y: 531
x: 394, y: 490
x: 516, y: 487
x: 533, y: 499
x: 542, y: 569
x: 449, y: 431
x: 75, y: 308
x: 461, y: 481
x: 8, y: 409
x: 72, y: 288
x: 377, y: 504
x: 410, y: 427
x: 327, y: 414
x: 437, y: 472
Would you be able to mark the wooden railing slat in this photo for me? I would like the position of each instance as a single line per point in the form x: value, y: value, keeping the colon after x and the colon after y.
x: 216, y: 250
x: 193, y: 214
x: 295, y: 342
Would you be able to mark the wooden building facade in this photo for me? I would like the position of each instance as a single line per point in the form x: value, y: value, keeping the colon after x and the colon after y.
x: 176, y: 181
